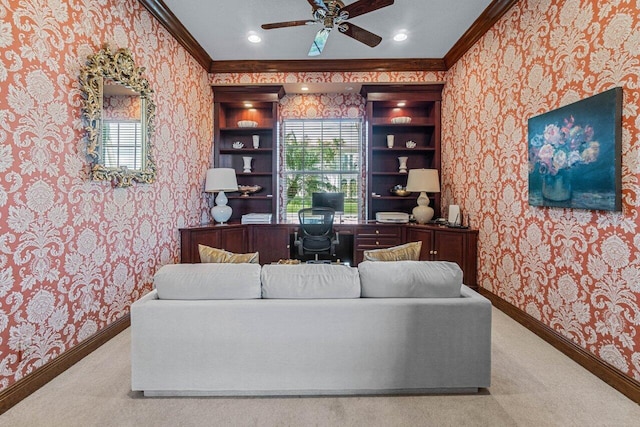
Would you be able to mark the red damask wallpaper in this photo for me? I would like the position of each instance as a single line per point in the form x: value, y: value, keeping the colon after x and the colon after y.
x: 577, y: 271
x: 74, y: 254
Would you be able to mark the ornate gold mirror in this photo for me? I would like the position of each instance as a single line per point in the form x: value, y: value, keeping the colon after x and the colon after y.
x: 118, y: 113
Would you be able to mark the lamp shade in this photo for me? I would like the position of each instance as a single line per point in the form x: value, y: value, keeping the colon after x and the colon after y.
x: 221, y: 179
x: 423, y: 180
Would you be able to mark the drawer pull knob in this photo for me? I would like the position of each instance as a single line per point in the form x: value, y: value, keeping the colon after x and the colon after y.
x: 377, y: 231
x: 377, y: 243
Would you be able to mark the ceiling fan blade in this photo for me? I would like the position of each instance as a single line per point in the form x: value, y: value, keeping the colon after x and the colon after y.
x: 287, y: 24
x: 361, y: 7
x: 319, y: 42
x: 360, y: 34
x: 317, y: 4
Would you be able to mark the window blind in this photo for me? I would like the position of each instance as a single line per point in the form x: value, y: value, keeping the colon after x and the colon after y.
x: 322, y: 156
x: 122, y: 144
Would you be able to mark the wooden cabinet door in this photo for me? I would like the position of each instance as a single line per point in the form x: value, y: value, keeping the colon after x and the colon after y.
x: 271, y: 241
x: 231, y: 238
x: 449, y: 246
x: 461, y: 248
x: 426, y: 237
x: 234, y: 239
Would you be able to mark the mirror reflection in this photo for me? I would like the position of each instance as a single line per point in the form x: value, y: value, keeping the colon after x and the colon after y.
x: 118, y: 112
x: 122, y: 127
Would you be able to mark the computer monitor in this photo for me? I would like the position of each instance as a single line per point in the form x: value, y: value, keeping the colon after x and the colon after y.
x: 329, y: 200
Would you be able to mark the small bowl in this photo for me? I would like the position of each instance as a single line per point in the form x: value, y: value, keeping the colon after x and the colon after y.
x: 410, y: 144
x: 237, y: 144
x: 401, y: 120
x: 247, y: 124
x: 400, y: 192
x: 248, y: 189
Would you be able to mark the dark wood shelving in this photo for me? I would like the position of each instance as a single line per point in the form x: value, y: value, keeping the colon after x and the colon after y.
x: 245, y: 150
x: 422, y: 103
x: 229, y: 109
x: 245, y: 130
x: 252, y: 197
x: 403, y: 149
x: 379, y: 122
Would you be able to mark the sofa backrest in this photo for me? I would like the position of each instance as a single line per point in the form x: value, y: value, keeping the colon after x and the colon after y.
x: 371, y: 279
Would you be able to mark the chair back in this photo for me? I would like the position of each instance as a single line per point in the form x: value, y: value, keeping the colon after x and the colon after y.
x: 316, y: 225
x: 316, y: 222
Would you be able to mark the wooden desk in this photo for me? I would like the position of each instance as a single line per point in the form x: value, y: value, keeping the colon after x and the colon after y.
x: 273, y: 241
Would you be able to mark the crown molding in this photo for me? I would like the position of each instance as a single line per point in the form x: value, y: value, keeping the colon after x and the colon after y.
x: 314, y: 65
x: 489, y: 16
x: 485, y: 21
x: 168, y: 20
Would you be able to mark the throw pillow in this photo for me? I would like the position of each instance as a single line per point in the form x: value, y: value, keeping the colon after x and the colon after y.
x: 208, y: 254
x: 410, y: 279
x: 310, y: 281
x: 208, y: 281
x: 406, y: 252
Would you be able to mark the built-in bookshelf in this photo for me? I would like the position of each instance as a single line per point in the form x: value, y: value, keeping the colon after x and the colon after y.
x: 421, y: 103
x: 233, y: 143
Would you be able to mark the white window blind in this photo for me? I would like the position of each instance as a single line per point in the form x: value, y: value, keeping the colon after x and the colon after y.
x: 122, y: 144
x: 322, y: 156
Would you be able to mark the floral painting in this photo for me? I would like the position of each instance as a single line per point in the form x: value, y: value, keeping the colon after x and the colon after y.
x: 574, y: 154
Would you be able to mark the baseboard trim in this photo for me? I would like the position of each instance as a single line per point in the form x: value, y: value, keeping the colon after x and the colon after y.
x: 22, y: 388
x: 607, y: 373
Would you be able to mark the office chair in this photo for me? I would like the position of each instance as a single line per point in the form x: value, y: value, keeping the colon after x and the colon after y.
x: 316, y: 226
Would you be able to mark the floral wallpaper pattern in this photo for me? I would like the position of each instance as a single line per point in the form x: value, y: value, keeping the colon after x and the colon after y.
x: 74, y: 254
x: 577, y: 271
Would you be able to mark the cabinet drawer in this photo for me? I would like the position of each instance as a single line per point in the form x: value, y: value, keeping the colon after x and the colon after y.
x: 373, y: 231
x: 377, y: 242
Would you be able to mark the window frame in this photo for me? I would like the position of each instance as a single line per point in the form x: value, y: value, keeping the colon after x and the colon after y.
x: 356, y: 148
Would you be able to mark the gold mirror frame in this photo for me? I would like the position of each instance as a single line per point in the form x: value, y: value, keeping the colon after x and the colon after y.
x: 120, y: 68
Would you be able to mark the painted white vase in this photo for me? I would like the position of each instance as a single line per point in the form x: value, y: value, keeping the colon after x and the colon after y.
x: 247, y: 164
x: 390, y: 139
x: 256, y: 141
x: 403, y: 164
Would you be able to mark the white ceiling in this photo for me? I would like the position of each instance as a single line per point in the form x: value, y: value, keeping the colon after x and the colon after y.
x: 221, y: 27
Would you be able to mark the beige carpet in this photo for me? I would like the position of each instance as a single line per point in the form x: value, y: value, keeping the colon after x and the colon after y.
x: 532, y: 385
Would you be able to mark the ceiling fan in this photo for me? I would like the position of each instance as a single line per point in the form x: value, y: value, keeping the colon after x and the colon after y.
x: 334, y: 14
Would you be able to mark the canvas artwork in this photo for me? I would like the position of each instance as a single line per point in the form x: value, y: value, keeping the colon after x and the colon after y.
x: 575, y: 152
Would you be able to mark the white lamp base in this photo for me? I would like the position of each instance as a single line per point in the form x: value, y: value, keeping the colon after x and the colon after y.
x: 423, y: 212
x: 221, y: 212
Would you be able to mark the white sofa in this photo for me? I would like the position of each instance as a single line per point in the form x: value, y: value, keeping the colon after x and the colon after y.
x: 307, y: 332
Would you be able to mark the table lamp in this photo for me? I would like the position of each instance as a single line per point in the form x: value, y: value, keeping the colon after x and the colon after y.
x: 221, y: 180
x: 423, y: 181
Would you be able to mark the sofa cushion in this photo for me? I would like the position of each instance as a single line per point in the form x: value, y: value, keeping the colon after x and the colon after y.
x: 410, y: 279
x: 208, y: 254
x: 406, y: 252
x: 208, y: 281
x: 310, y: 281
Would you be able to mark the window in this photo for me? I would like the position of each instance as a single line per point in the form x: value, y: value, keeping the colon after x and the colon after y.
x: 322, y: 156
x: 122, y: 144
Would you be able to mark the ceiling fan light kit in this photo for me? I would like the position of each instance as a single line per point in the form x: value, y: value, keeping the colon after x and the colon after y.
x: 334, y: 14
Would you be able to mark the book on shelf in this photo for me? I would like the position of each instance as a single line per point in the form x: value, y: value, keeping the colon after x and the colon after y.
x: 256, y: 218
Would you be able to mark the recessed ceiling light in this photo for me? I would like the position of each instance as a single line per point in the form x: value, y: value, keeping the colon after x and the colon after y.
x: 349, y: 88
x: 402, y: 104
x: 248, y: 105
x: 304, y: 88
x: 400, y: 36
x: 254, y: 38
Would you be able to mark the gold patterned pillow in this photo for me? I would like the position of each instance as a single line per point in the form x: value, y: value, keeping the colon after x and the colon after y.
x: 406, y: 252
x: 208, y: 254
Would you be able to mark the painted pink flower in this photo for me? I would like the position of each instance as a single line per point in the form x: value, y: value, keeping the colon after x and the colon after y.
x: 553, y: 135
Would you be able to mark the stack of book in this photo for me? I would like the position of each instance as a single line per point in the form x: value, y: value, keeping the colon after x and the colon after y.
x: 256, y: 218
